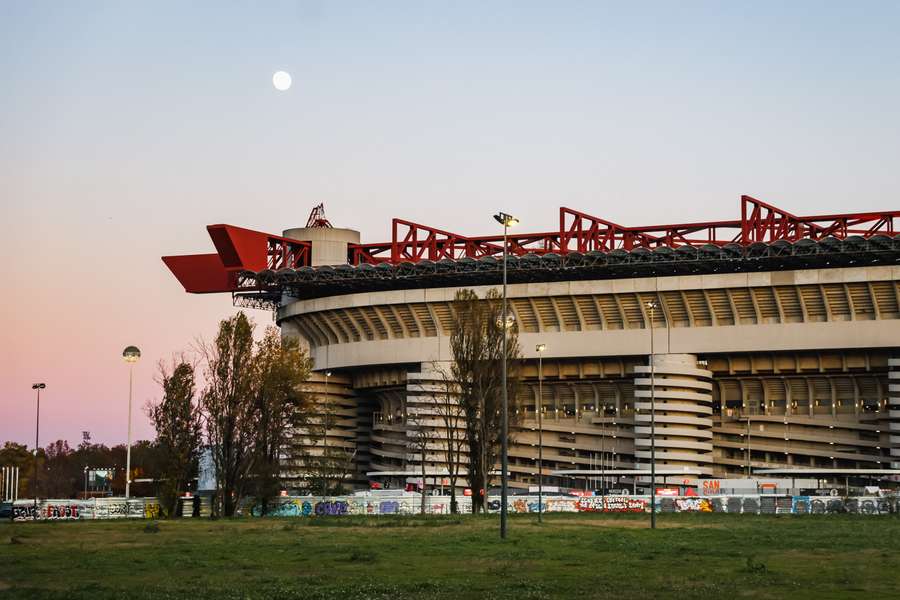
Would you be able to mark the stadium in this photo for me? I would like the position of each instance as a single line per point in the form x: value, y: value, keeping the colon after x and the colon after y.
x: 773, y: 335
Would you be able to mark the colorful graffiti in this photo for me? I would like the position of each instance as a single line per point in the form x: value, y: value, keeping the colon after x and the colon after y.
x: 151, y: 510
x: 24, y: 513
x: 612, y: 504
x: 56, y: 512
x: 95, y: 508
x: 331, y: 508
x: 693, y: 505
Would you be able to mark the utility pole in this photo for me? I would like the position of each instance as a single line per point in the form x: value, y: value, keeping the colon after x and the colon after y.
x: 652, y: 305
x: 131, y: 354
x: 506, y: 220
x: 540, y: 410
x: 37, y: 429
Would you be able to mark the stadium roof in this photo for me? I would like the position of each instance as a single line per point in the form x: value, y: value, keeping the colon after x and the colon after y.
x: 258, y: 268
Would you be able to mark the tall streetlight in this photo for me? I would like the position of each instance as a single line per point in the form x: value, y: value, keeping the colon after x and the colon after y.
x: 37, y: 428
x: 131, y: 354
x: 540, y: 409
x: 652, y: 305
x: 749, y: 441
x: 507, y: 221
x: 325, y: 436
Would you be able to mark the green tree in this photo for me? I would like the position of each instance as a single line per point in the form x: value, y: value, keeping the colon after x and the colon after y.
x: 228, y: 409
x: 60, y: 472
x: 252, y: 400
x: 18, y: 455
x: 281, y: 367
x: 178, y: 432
x: 476, y: 346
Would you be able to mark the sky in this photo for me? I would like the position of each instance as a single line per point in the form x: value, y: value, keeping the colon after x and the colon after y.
x: 127, y: 127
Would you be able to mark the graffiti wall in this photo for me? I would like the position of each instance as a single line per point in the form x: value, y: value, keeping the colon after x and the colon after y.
x: 95, y: 508
x: 410, y: 504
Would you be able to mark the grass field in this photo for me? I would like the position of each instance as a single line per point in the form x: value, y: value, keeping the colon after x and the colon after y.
x: 568, y: 556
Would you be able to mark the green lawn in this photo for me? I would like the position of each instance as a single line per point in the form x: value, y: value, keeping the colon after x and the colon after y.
x: 569, y: 556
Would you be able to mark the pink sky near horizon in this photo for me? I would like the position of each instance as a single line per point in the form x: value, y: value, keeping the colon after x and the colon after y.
x: 126, y: 128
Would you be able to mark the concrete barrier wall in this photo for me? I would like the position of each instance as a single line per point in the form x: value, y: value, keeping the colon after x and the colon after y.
x: 94, y: 508
x: 743, y: 504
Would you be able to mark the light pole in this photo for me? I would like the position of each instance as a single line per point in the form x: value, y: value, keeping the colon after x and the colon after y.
x: 37, y: 429
x: 540, y: 409
x: 131, y: 354
x: 325, y: 439
x: 749, y: 440
x: 652, y: 305
x: 507, y: 221
x: 602, y: 456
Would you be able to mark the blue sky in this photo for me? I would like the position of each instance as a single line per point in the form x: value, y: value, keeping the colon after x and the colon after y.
x: 126, y: 127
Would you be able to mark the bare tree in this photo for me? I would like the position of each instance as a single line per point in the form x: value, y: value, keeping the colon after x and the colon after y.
x: 452, y: 417
x: 476, y: 344
x: 420, y: 436
x: 177, y: 420
x: 326, y: 465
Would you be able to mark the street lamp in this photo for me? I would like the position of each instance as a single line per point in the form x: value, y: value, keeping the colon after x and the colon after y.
x: 131, y: 354
x: 507, y: 221
x: 540, y: 409
x: 652, y: 305
x: 37, y: 427
x: 749, y: 441
x: 325, y: 436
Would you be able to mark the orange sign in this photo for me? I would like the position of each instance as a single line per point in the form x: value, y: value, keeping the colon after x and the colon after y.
x: 711, y: 486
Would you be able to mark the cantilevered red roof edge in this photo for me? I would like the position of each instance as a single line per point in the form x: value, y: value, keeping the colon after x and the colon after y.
x: 200, y: 273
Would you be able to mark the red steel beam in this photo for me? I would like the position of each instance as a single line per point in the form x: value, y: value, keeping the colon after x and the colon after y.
x: 590, y: 233
x: 762, y: 222
x: 412, y: 242
x: 246, y: 249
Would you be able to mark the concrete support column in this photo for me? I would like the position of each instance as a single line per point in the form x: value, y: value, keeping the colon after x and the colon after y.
x: 684, y: 421
x: 893, y: 408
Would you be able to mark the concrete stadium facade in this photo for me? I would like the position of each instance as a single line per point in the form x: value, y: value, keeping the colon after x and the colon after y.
x: 777, y: 349
x: 786, y: 368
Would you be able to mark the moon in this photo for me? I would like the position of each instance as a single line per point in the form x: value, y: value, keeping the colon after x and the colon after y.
x: 281, y: 80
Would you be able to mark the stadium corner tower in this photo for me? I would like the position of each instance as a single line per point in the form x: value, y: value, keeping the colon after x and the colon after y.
x: 774, y: 338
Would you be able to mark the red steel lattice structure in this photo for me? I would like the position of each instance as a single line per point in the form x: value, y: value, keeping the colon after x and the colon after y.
x: 241, y: 249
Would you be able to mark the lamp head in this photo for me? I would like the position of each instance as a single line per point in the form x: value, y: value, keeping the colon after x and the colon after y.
x: 540, y: 347
x: 327, y: 373
x: 131, y: 354
x: 38, y: 386
x: 505, y: 219
x: 652, y: 304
